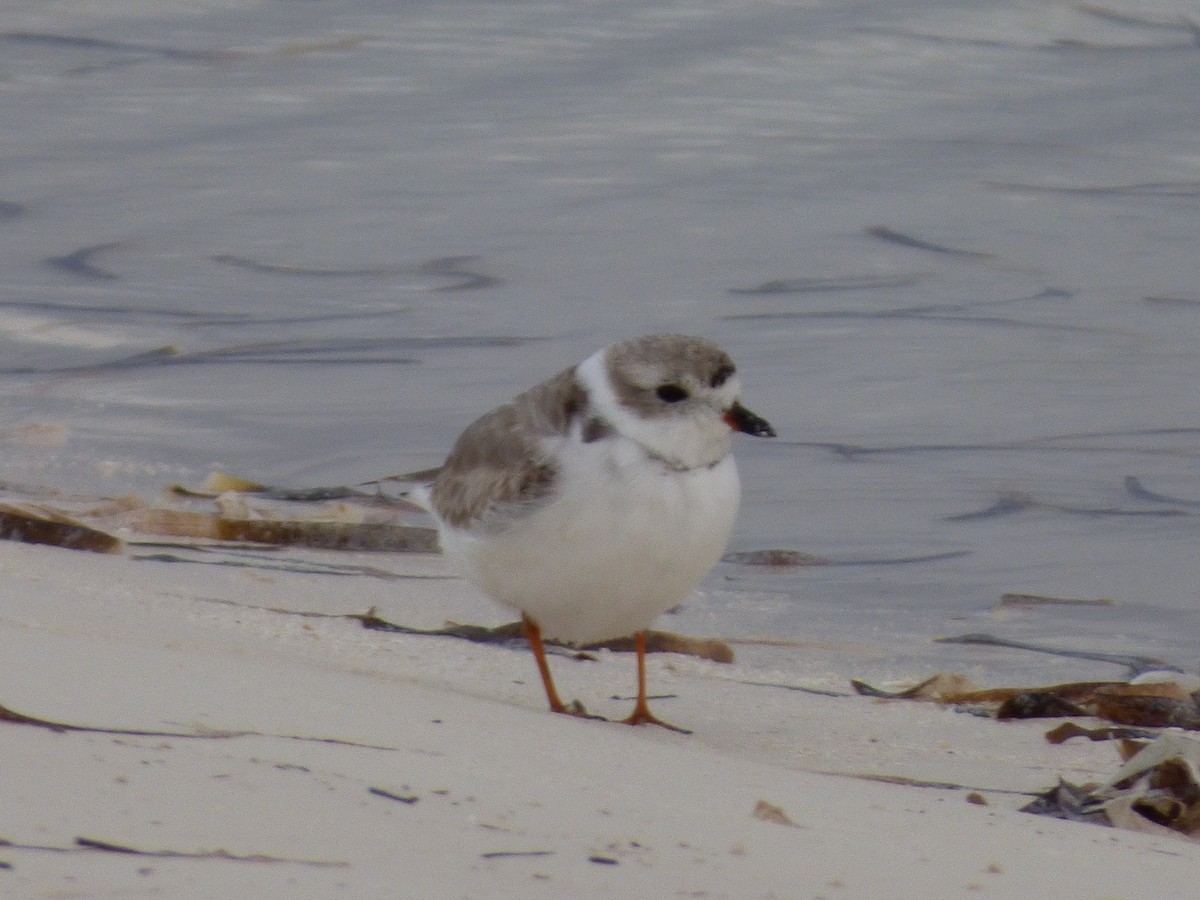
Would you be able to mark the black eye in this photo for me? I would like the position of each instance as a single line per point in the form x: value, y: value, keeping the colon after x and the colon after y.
x: 721, y: 376
x: 670, y: 393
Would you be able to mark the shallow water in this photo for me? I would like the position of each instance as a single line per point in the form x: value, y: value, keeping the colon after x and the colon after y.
x: 952, y: 246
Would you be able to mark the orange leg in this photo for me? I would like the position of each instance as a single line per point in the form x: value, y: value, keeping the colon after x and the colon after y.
x: 641, y: 711
x: 534, y: 635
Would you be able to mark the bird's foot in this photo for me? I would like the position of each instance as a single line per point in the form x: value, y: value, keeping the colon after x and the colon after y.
x: 577, y: 709
x: 641, y: 715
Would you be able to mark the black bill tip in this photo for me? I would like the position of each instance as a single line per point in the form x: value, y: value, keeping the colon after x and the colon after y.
x: 741, y: 419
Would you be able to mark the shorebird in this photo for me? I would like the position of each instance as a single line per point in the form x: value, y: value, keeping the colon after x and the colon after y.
x: 600, y: 498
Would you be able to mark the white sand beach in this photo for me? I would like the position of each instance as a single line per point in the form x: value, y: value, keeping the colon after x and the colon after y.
x: 301, y: 756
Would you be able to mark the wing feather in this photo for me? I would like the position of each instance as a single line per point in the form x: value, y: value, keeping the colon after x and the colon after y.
x: 499, y: 463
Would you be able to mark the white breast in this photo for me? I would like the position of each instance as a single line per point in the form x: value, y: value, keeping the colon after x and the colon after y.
x: 625, y: 539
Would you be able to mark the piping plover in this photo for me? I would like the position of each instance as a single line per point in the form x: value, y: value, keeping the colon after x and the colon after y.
x: 600, y: 498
